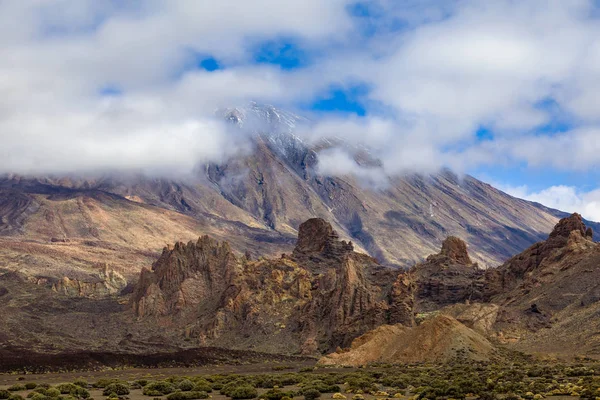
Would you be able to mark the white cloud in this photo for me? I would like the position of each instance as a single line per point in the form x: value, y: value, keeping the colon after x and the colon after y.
x: 564, y: 198
x: 452, y: 66
x: 55, y: 56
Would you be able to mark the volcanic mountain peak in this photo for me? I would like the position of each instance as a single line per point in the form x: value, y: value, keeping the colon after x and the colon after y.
x: 276, y: 127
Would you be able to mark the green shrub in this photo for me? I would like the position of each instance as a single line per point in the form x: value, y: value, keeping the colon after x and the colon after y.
x: 276, y: 394
x: 142, y: 382
x: 311, y: 394
x: 4, y: 394
x: 16, y: 388
x: 52, y: 392
x: 30, y: 385
x: 364, y: 383
x: 43, y: 385
x: 36, y: 396
x: 66, y: 388
x: 203, y: 387
x: 81, y: 383
x: 487, y: 396
x: 227, y: 389
x: 193, y: 395
x: 80, y: 393
x: 243, y: 392
x: 159, y: 388
x: 120, y: 389
x: 186, y: 385
x: 16, y: 397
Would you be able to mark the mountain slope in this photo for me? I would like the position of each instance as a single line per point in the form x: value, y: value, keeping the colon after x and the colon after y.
x: 70, y: 226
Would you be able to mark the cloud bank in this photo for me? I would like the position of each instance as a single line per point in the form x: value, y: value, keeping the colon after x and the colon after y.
x: 90, y: 85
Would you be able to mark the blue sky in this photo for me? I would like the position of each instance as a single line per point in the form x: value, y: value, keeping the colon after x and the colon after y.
x: 503, y: 90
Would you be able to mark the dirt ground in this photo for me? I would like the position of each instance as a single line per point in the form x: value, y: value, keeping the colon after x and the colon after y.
x: 150, y: 373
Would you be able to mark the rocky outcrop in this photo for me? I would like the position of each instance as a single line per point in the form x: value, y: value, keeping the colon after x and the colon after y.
x: 103, y: 283
x: 569, y: 235
x: 323, y: 296
x: 187, y: 275
x: 316, y: 237
x: 439, y: 339
x: 455, y: 250
x: 446, y: 278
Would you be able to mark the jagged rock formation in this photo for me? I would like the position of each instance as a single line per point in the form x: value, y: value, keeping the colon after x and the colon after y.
x: 316, y: 237
x: 449, y: 277
x: 569, y: 236
x: 437, y: 340
x: 187, y: 275
x: 322, y: 297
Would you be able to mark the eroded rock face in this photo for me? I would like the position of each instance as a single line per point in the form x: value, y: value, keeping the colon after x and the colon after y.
x: 456, y: 250
x: 184, y: 276
x: 446, y: 278
x: 569, y: 235
x: 322, y: 297
x: 317, y: 237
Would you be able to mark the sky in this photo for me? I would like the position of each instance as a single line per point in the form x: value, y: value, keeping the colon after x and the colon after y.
x: 504, y: 90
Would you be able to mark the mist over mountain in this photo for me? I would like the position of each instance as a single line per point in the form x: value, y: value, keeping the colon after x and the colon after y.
x: 275, y: 183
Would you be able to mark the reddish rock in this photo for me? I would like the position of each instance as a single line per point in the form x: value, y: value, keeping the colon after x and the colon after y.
x: 456, y: 250
x: 317, y: 237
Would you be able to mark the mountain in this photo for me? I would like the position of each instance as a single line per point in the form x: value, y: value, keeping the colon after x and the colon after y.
x: 52, y: 227
x: 323, y: 297
x: 95, y: 253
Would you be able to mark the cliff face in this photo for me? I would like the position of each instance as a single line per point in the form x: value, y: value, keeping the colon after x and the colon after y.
x: 322, y: 296
x: 186, y: 276
x: 449, y: 277
x: 570, y: 240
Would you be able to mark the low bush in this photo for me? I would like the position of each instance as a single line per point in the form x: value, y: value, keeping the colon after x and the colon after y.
x: 243, y: 392
x: 102, y: 383
x: 16, y: 397
x: 159, y: 388
x: 52, y: 392
x: 311, y: 394
x: 30, y: 385
x: 4, y: 394
x: 17, y: 388
x: 192, y: 395
x: 80, y: 393
x: 186, y: 385
x: 66, y: 388
x: 228, y: 388
x: 203, y: 387
x: 120, y: 389
x: 276, y: 394
x: 81, y: 383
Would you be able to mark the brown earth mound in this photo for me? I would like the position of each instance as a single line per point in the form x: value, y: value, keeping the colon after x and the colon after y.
x: 438, y: 340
